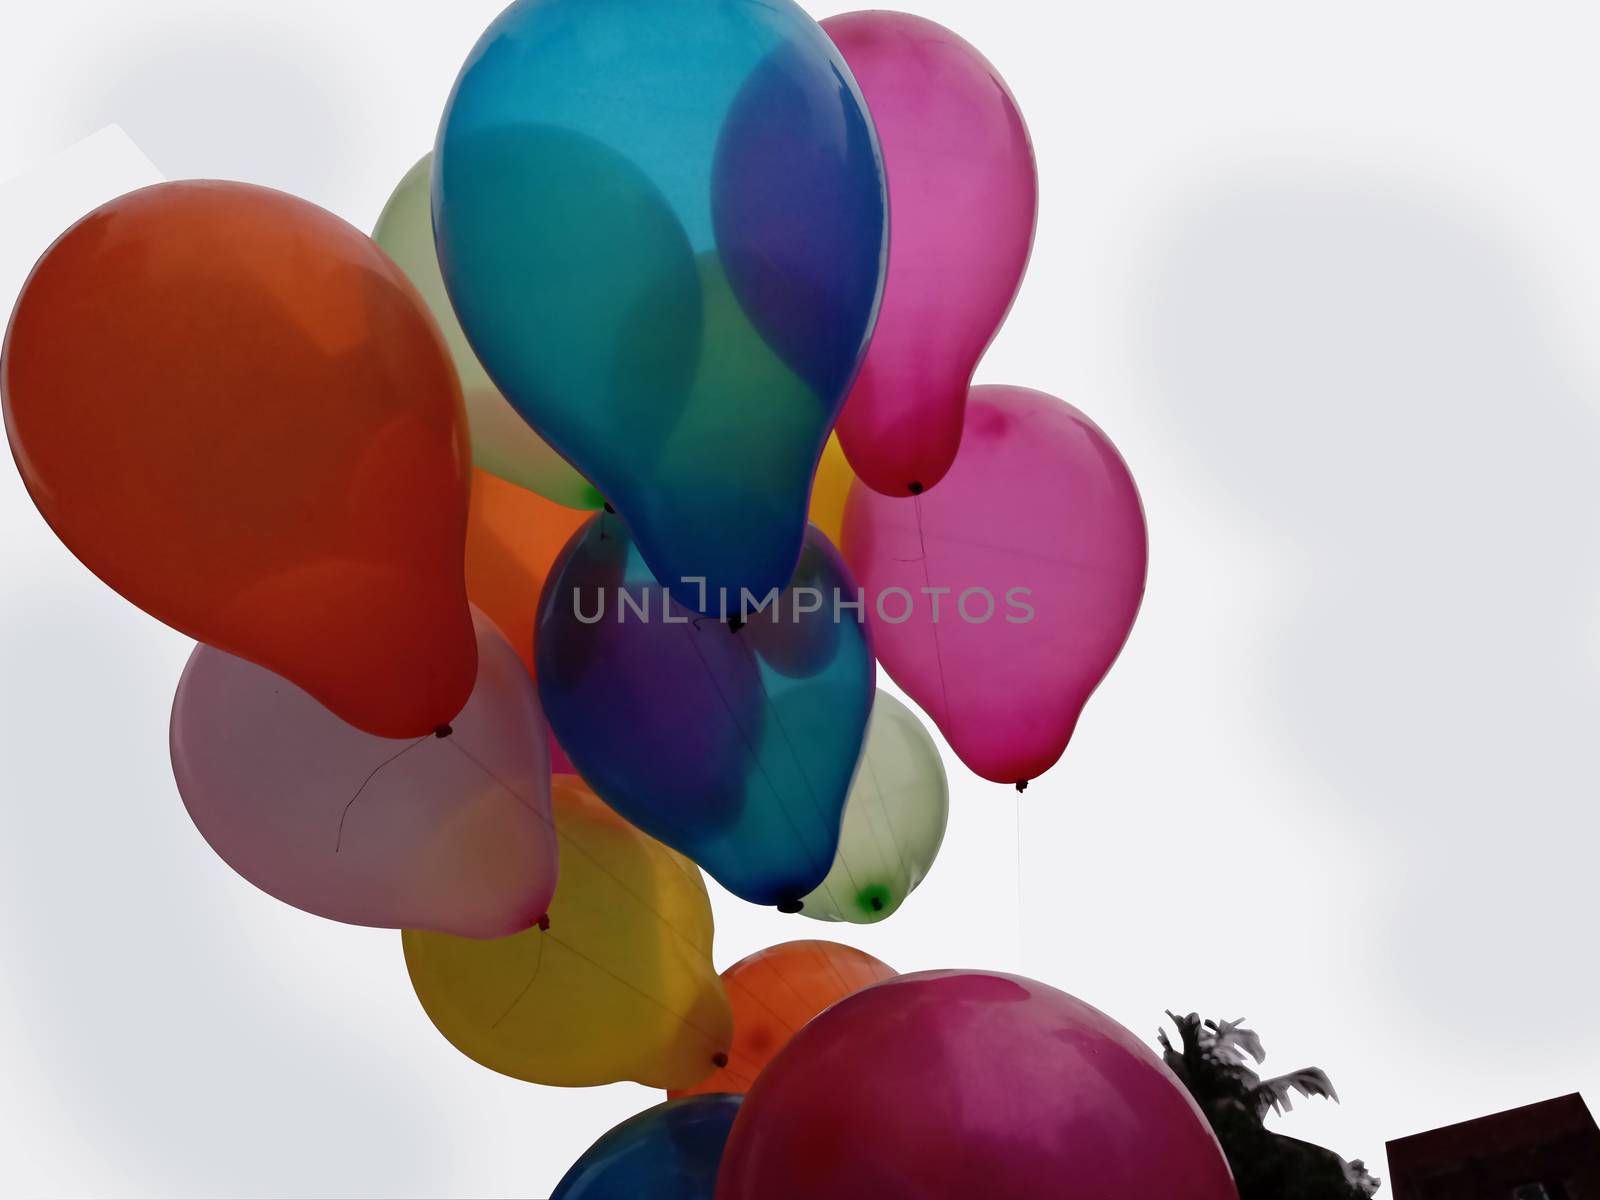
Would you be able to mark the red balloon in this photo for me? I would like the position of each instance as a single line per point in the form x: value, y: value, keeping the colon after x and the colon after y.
x: 950, y: 1085
x: 235, y: 410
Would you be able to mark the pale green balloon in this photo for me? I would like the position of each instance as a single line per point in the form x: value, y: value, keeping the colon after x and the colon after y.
x: 894, y: 820
x: 502, y: 442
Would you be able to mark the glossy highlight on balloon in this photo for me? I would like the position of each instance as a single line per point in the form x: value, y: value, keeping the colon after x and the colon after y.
x: 669, y: 1152
x: 894, y: 821
x: 964, y: 197
x: 662, y: 225
x: 619, y: 986
x: 946, y: 1085
x: 502, y: 442
x: 774, y: 992
x: 733, y: 743
x: 449, y: 833
x: 1022, y: 574
x: 237, y: 412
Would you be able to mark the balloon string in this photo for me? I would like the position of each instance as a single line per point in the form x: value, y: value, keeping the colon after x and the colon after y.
x: 739, y: 1077
x: 633, y: 987
x: 569, y: 844
x: 749, y: 1076
x: 1021, y: 940
x: 828, y: 962
x: 1016, y: 552
x: 338, y: 839
x: 883, y: 811
x: 927, y: 583
x: 788, y: 983
x: 538, y: 965
x: 756, y: 996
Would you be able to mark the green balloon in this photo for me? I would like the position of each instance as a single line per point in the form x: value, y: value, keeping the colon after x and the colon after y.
x: 502, y: 442
x: 894, y: 820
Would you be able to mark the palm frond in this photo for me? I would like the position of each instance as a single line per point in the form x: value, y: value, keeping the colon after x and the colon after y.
x: 1276, y: 1093
x: 1231, y: 1041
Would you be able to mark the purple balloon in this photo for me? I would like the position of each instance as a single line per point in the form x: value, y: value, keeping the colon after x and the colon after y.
x: 949, y: 1085
x: 449, y: 833
x: 999, y: 600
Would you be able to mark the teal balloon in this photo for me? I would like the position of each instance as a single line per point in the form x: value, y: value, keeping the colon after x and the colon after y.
x: 670, y: 1152
x: 734, y: 742
x: 663, y: 227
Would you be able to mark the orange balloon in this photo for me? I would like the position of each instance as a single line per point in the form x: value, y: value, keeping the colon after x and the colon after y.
x: 236, y: 411
x: 774, y: 992
x: 513, y: 538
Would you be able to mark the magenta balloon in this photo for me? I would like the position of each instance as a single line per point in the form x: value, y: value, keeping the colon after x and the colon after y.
x: 1037, y: 538
x: 950, y: 1085
x: 450, y: 833
x: 963, y: 197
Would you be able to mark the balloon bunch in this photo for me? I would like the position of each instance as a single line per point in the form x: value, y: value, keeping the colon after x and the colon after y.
x: 493, y: 532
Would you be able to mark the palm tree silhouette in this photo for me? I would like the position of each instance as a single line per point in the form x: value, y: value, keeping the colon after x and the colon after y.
x: 1214, y: 1061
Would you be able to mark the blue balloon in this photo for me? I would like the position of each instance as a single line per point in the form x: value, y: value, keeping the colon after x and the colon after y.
x: 669, y: 1152
x: 663, y: 225
x: 733, y: 741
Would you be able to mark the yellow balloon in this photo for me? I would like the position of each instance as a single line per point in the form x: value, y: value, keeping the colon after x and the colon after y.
x: 832, y: 485
x: 502, y: 442
x: 620, y: 986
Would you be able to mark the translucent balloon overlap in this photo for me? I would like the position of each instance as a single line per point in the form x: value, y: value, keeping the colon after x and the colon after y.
x: 619, y: 986
x: 514, y: 537
x: 502, y: 442
x: 735, y: 744
x: 662, y: 226
x: 446, y: 833
x: 894, y: 821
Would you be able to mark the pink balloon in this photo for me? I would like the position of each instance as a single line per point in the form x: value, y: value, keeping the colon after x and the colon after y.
x: 950, y: 1085
x: 450, y: 833
x: 1020, y: 578
x: 963, y: 197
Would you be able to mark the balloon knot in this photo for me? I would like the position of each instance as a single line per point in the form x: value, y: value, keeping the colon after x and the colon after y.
x: 735, y: 624
x: 719, y: 1060
x: 790, y: 906
x: 1022, y: 785
x: 443, y: 731
x: 543, y: 923
x: 877, y: 903
x: 914, y: 488
x: 609, y: 509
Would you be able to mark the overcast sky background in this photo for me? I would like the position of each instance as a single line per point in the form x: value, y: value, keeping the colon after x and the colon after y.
x: 1329, y: 279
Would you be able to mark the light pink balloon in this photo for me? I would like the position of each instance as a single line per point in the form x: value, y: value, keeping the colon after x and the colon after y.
x: 963, y: 197
x: 449, y: 833
x: 1039, y: 526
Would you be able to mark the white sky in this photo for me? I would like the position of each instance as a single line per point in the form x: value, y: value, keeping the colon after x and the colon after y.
x: 1329, y: 278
